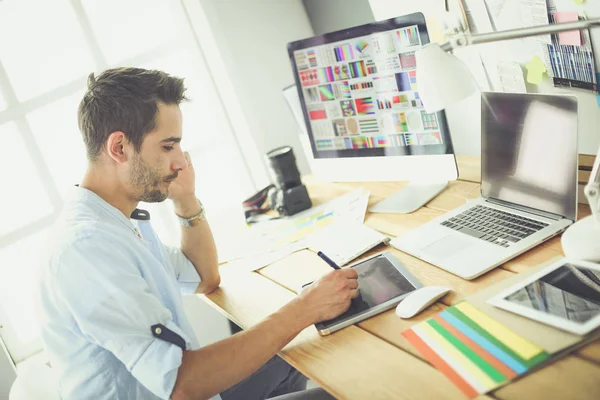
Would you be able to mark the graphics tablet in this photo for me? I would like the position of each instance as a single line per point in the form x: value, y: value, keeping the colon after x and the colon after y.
x: 566, y: 295
x: 382, y: 283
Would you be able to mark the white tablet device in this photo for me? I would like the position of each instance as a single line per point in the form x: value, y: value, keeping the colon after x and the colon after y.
x: 382, y: 283
x: 566, y: 295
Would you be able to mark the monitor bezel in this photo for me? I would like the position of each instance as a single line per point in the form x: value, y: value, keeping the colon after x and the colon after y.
x: 418, y: 19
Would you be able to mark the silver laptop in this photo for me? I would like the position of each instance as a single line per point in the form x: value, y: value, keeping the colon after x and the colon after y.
x: 528, y: 187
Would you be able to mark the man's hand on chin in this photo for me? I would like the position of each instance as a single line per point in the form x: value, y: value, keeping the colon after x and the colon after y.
x: 182, y: 191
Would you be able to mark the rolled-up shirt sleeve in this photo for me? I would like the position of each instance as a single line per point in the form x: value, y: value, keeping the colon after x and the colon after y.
x: 113, y: 306
x: 156, y: 368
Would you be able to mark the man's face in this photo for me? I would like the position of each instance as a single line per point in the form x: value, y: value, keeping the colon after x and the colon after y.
x: 160, y: 158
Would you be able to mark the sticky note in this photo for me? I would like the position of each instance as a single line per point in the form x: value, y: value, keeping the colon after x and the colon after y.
x: 572, y: 38
x: 535, y: 70
x: 578, y: 1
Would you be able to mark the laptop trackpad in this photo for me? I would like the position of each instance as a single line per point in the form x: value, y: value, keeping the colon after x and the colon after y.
x: 447, y: 246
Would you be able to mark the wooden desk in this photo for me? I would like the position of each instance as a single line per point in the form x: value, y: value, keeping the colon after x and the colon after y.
x: 372, y: 360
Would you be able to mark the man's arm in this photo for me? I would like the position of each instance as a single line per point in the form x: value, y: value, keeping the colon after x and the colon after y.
x: 198, y: 244
x: 214, y: 368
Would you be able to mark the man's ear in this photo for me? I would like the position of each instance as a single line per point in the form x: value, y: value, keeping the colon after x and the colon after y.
x: 116, y: 147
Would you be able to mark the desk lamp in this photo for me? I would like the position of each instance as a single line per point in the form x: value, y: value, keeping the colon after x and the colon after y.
x: 582, y: 240
x: 445, y: 80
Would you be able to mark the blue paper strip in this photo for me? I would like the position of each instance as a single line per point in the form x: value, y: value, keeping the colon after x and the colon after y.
x: 483, y: 342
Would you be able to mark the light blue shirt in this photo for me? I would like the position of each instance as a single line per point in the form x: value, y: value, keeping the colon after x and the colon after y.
x: 106, y: 282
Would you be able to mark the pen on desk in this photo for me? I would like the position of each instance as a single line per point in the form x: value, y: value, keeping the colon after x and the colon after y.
x: 328, y: 260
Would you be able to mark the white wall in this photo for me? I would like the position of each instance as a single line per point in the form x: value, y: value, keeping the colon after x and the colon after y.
x: 7, y: 372
x: 333, y: 15
x: 464, y: 118
x: 251, y: 37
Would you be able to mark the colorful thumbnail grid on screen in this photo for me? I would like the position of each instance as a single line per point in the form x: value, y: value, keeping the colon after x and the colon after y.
x: 363, y: 93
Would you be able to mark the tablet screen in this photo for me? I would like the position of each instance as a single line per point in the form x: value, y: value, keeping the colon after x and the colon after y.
x: 570, y: 292
x: 378, y: 281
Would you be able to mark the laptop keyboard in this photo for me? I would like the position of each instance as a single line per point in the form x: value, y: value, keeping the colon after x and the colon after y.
x: 494, y: 226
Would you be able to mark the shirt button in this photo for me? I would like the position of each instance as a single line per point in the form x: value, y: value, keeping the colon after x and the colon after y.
x: 158, y: 331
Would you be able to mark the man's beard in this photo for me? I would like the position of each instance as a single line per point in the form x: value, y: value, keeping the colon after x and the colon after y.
x: 149, y: 181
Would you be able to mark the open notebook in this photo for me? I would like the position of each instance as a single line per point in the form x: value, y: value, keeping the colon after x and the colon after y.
x: 343, y: 241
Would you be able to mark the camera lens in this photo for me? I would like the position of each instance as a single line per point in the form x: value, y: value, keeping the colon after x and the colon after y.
x: 283, y: 169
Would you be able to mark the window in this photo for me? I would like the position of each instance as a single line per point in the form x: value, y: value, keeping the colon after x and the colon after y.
x: 41, y: 59
x: 55, y: 131
x: 128, y: 29
x: 24, y: 200
x: 42, y: 79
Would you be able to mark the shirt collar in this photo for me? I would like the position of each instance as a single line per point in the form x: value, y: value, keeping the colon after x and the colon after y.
x: 87, y: 196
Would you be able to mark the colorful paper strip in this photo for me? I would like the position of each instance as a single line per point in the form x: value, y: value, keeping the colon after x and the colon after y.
x: 493, y: 361
x: 476, y: 352
x: 523, y: 347
x: 454, y: 311
x: 466, y: 367
x: 490, y: 347
x: 440, y: 364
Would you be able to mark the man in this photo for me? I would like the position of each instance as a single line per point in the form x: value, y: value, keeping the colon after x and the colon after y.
x: 112, y: 317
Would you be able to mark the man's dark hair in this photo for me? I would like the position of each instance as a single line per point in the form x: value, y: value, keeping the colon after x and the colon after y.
x: 126, y: 100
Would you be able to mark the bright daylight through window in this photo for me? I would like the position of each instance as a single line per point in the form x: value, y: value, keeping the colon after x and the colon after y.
x: 43, y: 75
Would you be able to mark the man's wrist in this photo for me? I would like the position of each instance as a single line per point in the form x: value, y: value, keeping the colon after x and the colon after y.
x: 299, y: 313
x: 187, y: 207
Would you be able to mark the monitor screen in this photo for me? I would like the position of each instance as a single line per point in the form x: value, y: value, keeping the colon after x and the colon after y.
x: 359, y: 93
x: 529, y: 151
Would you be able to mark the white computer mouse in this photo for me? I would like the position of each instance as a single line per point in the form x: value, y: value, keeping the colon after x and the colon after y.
x: 419, y: 299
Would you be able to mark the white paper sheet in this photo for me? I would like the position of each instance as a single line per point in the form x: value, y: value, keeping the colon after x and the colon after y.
x: 344, y: 241
x: 258, y: 261
x: 514, y: 14
x: 270, y: 241
x: 535, y: 13
x: 511, y: 77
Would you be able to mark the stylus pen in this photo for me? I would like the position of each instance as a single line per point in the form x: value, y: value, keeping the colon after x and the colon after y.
x: 328, y: 260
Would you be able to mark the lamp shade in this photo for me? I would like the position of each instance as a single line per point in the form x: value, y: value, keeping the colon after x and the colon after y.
x: 442, y: 78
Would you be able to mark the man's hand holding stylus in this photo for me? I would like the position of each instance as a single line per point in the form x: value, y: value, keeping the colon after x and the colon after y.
x: 329, y: 296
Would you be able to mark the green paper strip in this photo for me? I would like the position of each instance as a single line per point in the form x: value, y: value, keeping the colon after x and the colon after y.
x: 528, y: 363
x: 467, y: 352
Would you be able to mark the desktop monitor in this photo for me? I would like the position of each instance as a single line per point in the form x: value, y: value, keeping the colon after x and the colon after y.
x: 358, y: 90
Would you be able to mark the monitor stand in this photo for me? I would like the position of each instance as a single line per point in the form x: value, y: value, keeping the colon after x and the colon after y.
x: 409, y: 198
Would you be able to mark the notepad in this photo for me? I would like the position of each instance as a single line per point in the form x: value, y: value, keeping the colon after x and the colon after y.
x: 476, y: 352
x: 343, y: 241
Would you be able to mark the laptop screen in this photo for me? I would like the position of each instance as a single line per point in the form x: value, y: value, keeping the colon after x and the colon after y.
x: 529, y: 151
